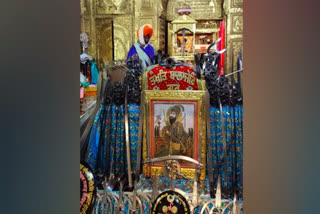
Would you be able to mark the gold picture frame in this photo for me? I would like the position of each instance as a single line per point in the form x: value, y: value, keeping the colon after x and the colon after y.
x: 174, y: 124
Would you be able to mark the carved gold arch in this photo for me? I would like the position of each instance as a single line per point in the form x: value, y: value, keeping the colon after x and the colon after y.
x: 121, y: 42
x: 103, y: 41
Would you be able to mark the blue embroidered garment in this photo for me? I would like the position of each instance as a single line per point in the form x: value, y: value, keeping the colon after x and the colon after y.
x: 134, y: 114
x: 110, y: 145
x: 93, y: 144
x: 117, y: 141
x: 233, y: 130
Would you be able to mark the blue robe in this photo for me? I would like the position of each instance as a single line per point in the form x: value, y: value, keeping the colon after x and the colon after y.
x: 148, y: 50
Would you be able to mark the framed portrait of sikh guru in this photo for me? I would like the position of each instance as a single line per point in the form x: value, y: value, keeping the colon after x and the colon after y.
x: 174, y: 124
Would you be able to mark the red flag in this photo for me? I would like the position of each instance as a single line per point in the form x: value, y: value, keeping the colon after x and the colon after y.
x: 221, y: 46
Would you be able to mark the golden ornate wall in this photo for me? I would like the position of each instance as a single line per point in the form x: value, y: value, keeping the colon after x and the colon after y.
x: 129, y: 15
x: 201, y: 9
x: 234, y: 32
x: 103, y: 42
x: 96, y: 21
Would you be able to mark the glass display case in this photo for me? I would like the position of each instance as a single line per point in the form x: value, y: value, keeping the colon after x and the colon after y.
x: 183, y: 37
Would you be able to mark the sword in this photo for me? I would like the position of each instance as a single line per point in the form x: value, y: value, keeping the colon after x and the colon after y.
x: 155, y: 187
x: 209, y: 144
x: 108, y: 141
x: 140, y: 136
x: 134, y: 206
x: 224, y: 143
x: 218, y: 193
x: 104, y: 197
x: 200, y: 135
x: 173, y: 157
x: 234, y: 98
x: 239, y: 67
x: 121, y: 205
x: 172, y: 181
x: 195, y: 195
x: 126, y: 126
x: 235, y: 72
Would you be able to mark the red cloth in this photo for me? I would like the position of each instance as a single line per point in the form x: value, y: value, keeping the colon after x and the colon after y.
x: 180, y: 77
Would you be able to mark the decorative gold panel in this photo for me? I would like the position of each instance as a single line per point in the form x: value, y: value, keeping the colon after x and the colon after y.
x: 234, y: 47
x: 200, y: 9
x: 147, y: 20
x: 122, y: 36
x: 146, y: 4
x: 237, y: 3
x: 162, y: 34
x: 84, y: 28
x: 104, y: 42
x: 234, y: 31
x: 85, y: 8
x: 232, y: 6
x: 169, y: 38
x: 149, y: 95
x: 208, y: 25
x: 189, y: 173
x: 188, y: 26
x: 163, y: 8
x: 114, y: 7
x: 237, y: 23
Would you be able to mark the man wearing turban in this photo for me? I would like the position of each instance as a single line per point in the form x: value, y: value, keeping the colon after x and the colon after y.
x: 142, y: 48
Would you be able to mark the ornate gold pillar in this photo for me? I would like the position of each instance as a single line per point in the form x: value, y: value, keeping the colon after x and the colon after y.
x: 85, y: 19
x: 234, y: 32
x: 92, y: 36
x: 82, y: 11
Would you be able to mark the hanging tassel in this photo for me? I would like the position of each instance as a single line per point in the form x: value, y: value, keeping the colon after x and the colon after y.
x: 218, y: 193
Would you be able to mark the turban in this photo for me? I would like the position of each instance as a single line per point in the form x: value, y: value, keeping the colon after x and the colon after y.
x: 143, y: 31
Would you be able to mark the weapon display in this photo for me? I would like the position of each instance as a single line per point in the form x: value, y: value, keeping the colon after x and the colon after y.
x: 118, y: 194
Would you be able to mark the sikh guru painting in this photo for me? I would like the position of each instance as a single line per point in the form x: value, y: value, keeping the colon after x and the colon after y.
x: 173, y: 130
